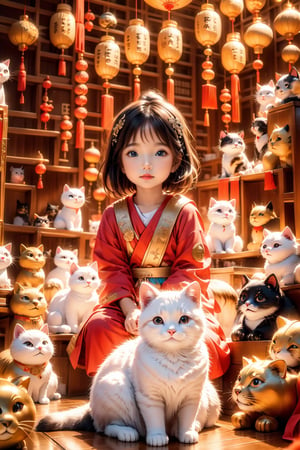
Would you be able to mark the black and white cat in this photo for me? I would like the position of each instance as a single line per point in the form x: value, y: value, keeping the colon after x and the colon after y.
x: 284, y: 88
x: 259, y: 128
x: 155, y: 385
x: 4, y: 76
x: 234, y: 159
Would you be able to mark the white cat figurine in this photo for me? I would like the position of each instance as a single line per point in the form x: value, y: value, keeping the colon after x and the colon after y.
x: 58, y: 278
x: 155, y: 385
x: 265, y: 97
x: 221, y: 235
x: 234, y: 159
x: 29, y: 355
x: 4, y: 76
x: 17, y: 175
x: 70, y: 217
x: 5, y: 261
x: 280, y: 250
x: 70, y: 307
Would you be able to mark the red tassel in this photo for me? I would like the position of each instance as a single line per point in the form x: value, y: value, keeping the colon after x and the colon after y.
x: 170, y: 91
x: 62, y: 66
x: 22, y: 79
x: 206, y: 119
x: 107, y: 110
x: 80, y: 28
x: 137, y: 89
x: 223, y: 189
x: 79, y: 134
x: 209, y: 96
x: 22, y: 99
x: 40, y: 184
x: 269, y: 181
x: 235, y: 98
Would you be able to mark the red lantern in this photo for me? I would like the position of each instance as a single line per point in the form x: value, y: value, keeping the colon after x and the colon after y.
x: 89, y: 17
x: 47, y: 105
x: 81, y: 77
x: 99, y: 195
x: 92, y: 156
x: 40, y: 169
x: 65, y: 125
x: 225, y: 98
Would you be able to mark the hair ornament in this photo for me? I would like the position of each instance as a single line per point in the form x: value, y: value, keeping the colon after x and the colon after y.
x: 117, y: 128
x: 177, y: 127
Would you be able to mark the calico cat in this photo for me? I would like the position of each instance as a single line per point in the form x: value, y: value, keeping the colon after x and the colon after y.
x: 22, y: 214
x: 260, y: 303
x: 234, y: 159
x: 15, y: 401
x: 284, y: 89
x: 259, y: 128
x: 265, y: 97
x: 261, y: 216
x: 69, y: 217
x: 17, y: 175
x: 31, y: 262
x: 70, y: 307
x: 5, y: 261
x: 29, y: 354
x: 41, y: 221
x: 155, y: 380
x: 265, y: 393
x: 285, y: 343
x: 280, y: 145
x: 280, y: 250
x: 4, y: 76
x: 221, y: 235
x: 58, y: 278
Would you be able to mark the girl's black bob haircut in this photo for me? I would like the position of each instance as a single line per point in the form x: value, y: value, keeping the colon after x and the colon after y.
x: 151, y: 112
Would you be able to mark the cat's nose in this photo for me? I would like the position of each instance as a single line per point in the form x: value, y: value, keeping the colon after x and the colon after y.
x: 237, y: 390
x: 171, y: 331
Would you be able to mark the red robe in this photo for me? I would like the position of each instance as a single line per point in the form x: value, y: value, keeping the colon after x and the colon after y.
x: 104, y: 330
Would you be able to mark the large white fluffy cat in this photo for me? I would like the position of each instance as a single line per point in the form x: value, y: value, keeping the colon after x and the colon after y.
x: 5, y: 261
x: 280, y: 250
x: 29, y: 355
x: 155, y: 385
x: 70, y: 217
x: 70, y: 307
x: 221, y: 235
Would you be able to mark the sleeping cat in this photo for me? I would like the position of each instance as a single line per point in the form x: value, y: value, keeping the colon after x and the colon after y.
x: 261, y: 216
x: 234, y: 159
x: 280, y: 250
x: 260, y: 303
x: 155, y: 380
x: 70, y: 307
x: 14, y: 398
x: 284, y: 89
x: 265, y: 393
x: 221, y: 235
x: 29, y: 354
x: 58, y: 278
x: 265, y: 97
x: 5, y: 261
x: 69, y: 217
x: 4, y: 76
x: 31, y: 262
x: 285, y: 343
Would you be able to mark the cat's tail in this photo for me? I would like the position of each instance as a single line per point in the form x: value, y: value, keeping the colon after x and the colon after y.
x: 73, y: 419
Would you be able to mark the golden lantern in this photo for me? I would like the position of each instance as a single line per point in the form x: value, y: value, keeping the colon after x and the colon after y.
x: 208, y: 30
x: 137, y: 50
x: 99, y: 195
x: 92, y: 157
x: 168, y: 5
x: 23, y: 33
x: 169, y: 46
x: 254, y: 6
x: 225, y: 98
x: 233, y: 57
x: 231, y: 8
x: 62, y: 32
x: 287, y: 24
x: 290, y: 54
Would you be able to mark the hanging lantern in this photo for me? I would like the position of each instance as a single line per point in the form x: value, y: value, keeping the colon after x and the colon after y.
x: 137, y: 50
x: 107, y: 65
x: 169, y: 46
x: 65, y: 135
x: 233, y: 57
x: 255, y: 6
x: 91, y: 156
x: 89, y: 18
x: 81, y: 77
x: 62, y: 32
x: 99, y: 195
x: 168, y: 4
x: 225, y: 98
x: 47, y: 105
x: 287, y: 24
x: 208, y: 30
x: 231, y: 8
x: 23, y: 33
x: 40, y: 169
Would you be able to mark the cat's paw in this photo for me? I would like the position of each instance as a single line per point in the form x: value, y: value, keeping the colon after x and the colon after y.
x: 255, y: 337
x: 56, y: 396
x: 238, y: 335
x: 157, y: 439
x: 44, y: 401
x: 189, y: 437
x: 241, y: 420
x: 266, y: 424
x: 123, y: 433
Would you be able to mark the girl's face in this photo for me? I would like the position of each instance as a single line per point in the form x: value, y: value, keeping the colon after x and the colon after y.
x: 146, y: 161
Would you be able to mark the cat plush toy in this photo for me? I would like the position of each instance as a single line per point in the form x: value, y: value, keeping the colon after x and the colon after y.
x: 285, y: 343
x: 22, y: 214
x: 5, y: 261
x: 261, y: 216
x: 17, y: 175
x: 221, y: 235
x: 4, y: 76
x: 29, y: 354
x: 265, y: 393
x: 285, y: 84
x: 265, y: 97
x: 70, y: 217
x: 234, y: 159
x: 31, y: 262
x: 280, y: 250
x: 70, y: 307
x: 260, y: 303
x: 18, y: 412
x: 155, y: 385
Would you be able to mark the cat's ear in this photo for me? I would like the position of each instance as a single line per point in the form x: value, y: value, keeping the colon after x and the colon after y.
x: 66, y: 188
x: 75, y: 252
x: 271, y: 84
x: 19, y: 329
x: 223, y: 134
x: 6, y: 62
x: 212, y: 202
x: 245, y: 279
x: 73, y: 268
x: 45, y: 328
x: 193, y: 292
x: 82, y: 189
x: 246, y: 361
x: 21, y: 382
x: 18, y: 287
x: 277, y: 76
x: 288, y: 234
x: 241, y: 133
x: 266, y: 232
x: 41, y: 247
x: 22, y: 248
x: 8, y: 246
x: 58, y: 250
x: 147, y: 293
x: 233, y: 202
x: 269, y: 206
x: 294, y: 72
x: 94, y: 265
x: 272, y: 280
x: 279, y: 366
x: 258, y: 86
x: 282, y: 321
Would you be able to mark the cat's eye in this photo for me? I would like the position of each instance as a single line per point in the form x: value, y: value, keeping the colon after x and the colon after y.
x: 45, y: 342
x: 184, y: 319
x: 18, y: 406
x: 276, y: 245
x: 28, y: 344
x: 25, y: 298
x: 243, y: 296
x: 259, y: 298
x: 293, y: 346
x: 256, y: 382
x: 81, y: 278
x: 219, y: 210
x: 264, y: 246
x: 158, y: 320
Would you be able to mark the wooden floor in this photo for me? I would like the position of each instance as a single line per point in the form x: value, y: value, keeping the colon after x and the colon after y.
x: 222, y: 437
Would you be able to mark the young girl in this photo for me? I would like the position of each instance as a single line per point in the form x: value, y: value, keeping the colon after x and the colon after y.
x: 152, y: 233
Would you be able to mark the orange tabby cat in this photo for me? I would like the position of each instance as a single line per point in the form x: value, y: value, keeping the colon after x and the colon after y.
x: 261, y: 216
x: 31, y: 261
x: 285, y: 343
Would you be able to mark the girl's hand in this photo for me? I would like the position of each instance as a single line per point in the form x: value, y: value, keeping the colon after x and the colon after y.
x: 132, y: 321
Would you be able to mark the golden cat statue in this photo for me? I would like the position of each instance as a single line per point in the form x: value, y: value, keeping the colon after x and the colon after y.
x: 260, y: 217
x: 31, y: 262
x: 285, y: 343
x: 279, y: 152
x: 18, y: 412
x: 265, y: 393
